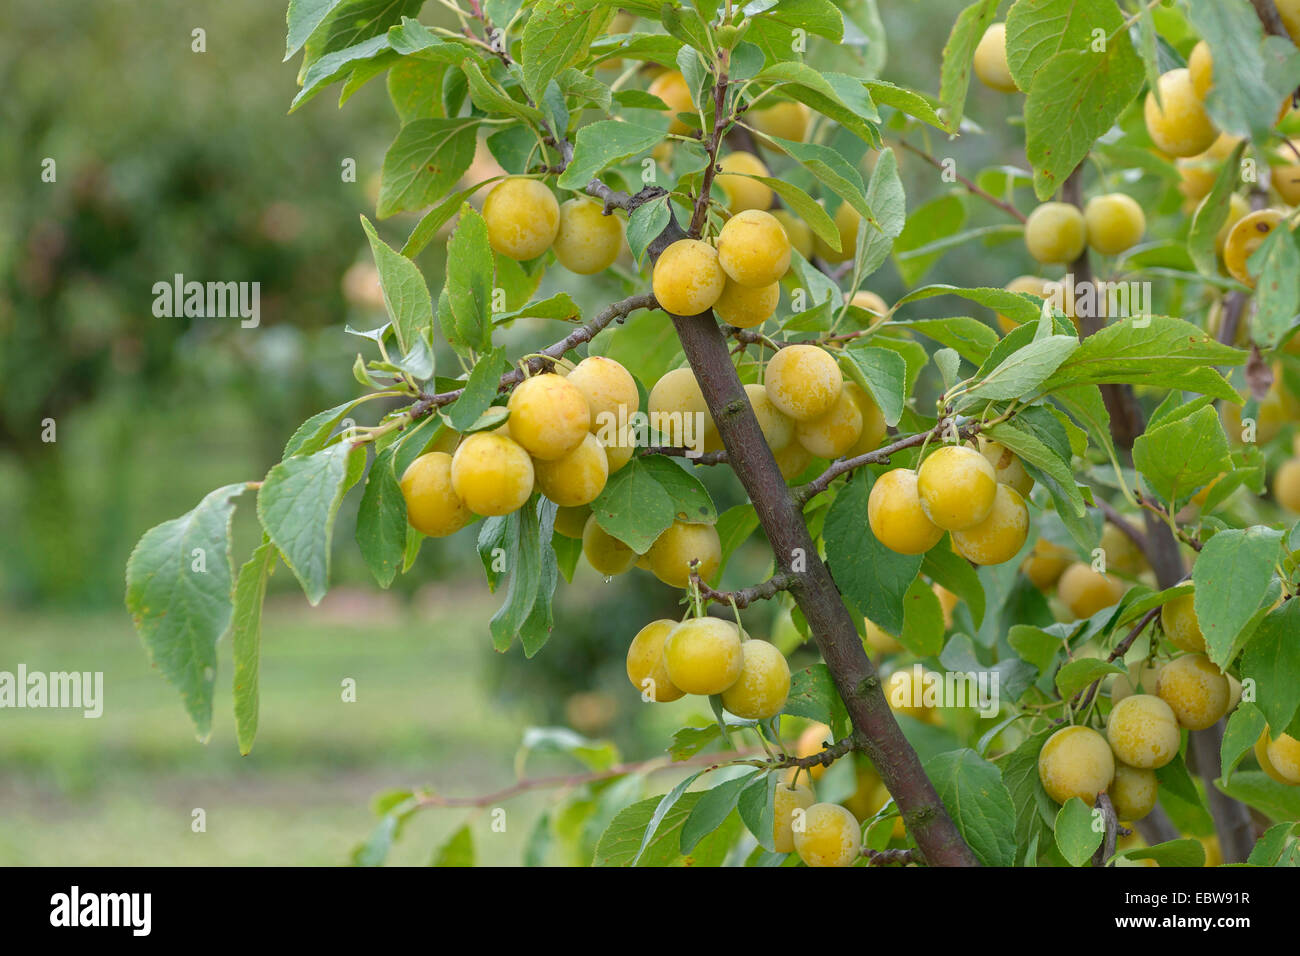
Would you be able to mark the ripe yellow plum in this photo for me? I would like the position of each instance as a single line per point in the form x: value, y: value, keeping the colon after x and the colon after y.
x: 786, y: 120
x: 1055, y: 233
x: 1076, y: 762
x: 741, y: 191
x: 896, y: 517
x: 991, y: 60
x: 753, y: 249
x: 588, y: 241
x: 1032, y: 285
x: 1178, y: 618
x: 1046, y: 563
x: 957, y: 487
x: 830, y: 836
x: 680, y: 544
x: 792, y: 460
x: 1247, y: 236
x: 491, y: 474
x: 604, y: 552
x: 1133, y: 792
x: 576, y: 478
x: 569, y: 522
x: 608, y: 387
x: 846, y: 224
x: 549, y: 416
x: 432, y: 505
x: 703, y: 655
x: 777, y: 427
x: 677, y: 393
x: 1001, y: 535
x: 880, y: 640
x: 522, y: 218
x: 1286, y: 485
x: 785, y: 803
x: 671, y: 87
x: 873, y: 420
x: 747, y: 306
x: 763, y: 685
x: 1085, y: 591
x: 803, y: 381
x: 1179, y: 124
x: 1195, y: 690
x: 1200, y: 68
x: 1284, y: 757
x: 645, y: 663
x: 1143, y: 731
x: 1115, y: 223
x: 687, y: 277
x: 832, y: 434
x: 1007, y: 467
x: 797, y: 231
x: 813, y: 740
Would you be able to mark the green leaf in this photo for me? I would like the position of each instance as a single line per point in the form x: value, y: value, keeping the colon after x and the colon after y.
x: 334, y: 66
x: 713, y: 808
x: 424, y: 162
x: 1076, y: 96
x: 735, y: 526
x: 907, y: 101
x: 1178, y: 457
x: 469, y: 281
x: 1022, y: 373
x: 1276, y: 800
x: 1245, y: 724
x: 406, y: 296
x: 1180, y: 853
x: 557, y: 33
x: 297, y: 504
x: 832, y: 170
x: 688, y: 741
x: 644, y: 225
x: 246, y: 641
x: 1019, y: 308
x: 1277, y: 847
x: 1212, y: 214
x: 958, y: 55
x: 1158, y: 351
x: 178, y: 591
x: 1272, y: 660
x: 946, y: 568
x: 882, y: 373
x: 937, y: 219
x: 922, y: 632
x: 813, y: 695
x: 381, y: 519
x: 1075, y: 836
x: 481, y: 387
x: 691, y: 501
x: 1277, y: 290
x: 522, y: 544
x: 312, y: 434
x: 432, y: 221
x: 1078, y: 674
x: 1033, y: 807
x: 835, y: 95
x: 872, y: 577
x: 805, y: 207
x: 1037, y: 30
x: 602, y: 144
x: 1232, y: 576
x: 634, y: 506
x: 457, y: 851
x: 619, y: 844
x: 978, y: 802
x: 1049, y: 459
x: 559, y: 307
x: 757, y: 807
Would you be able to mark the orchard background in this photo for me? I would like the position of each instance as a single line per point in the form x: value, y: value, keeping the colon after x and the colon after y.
x: 1154, y: 446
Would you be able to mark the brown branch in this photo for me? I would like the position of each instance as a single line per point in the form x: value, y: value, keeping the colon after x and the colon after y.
x: 744, y: 597
x: 1005, y: 206
x: 618, y: 310
x: 805, y: 493
x: 701, y: 212
x: 1231, y: 818
x: 1119, y: 651
x: 1107, y: 848
x: 813, y: 588
x: 892, y: 857
x: 1266, y: 10
x: 674, y: 451
x: 823, y: 758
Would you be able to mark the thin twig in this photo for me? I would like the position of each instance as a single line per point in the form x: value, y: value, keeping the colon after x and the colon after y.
x: 1006, y: 207
x: 744, y: 597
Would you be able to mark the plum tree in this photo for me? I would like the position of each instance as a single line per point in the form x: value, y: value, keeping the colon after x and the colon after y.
x: 1056, y: 233
x: 1195, y: 690
x: 1114, y: 223
x: 681, y: 544
x: 522, y: 218
x: 787, y: 801
x: 753, y: 249
x: 549, y: 416
x: 491, y: 474
x: 803, y: 381
x: 1075, y: 762
x: 688, y: 278
x: 432, y: 505
x: 991, y: 60
x: 1178, y: 123
x: 588, y: 241
x: 1002, y: 533
x: 742, y: 191
x: 761, y: 689
x: 957, y: 487
x: 896, y: 516
x: 645, y: 663
x: 830, y: 836
x: 1143, y: 731
x: 702, y: 655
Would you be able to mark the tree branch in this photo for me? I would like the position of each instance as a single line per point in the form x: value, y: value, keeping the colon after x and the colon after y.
x: 891, y: 857
x: 744, y: 597
x: 1107, y: 848
x: 988, y: 197
x: 700, y: 458
x: 1231, y: 819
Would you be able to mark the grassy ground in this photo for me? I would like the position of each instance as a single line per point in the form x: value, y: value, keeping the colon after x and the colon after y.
x: 122, y: 789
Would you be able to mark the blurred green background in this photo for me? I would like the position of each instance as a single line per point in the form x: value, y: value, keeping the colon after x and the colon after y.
x: 173, y: 161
